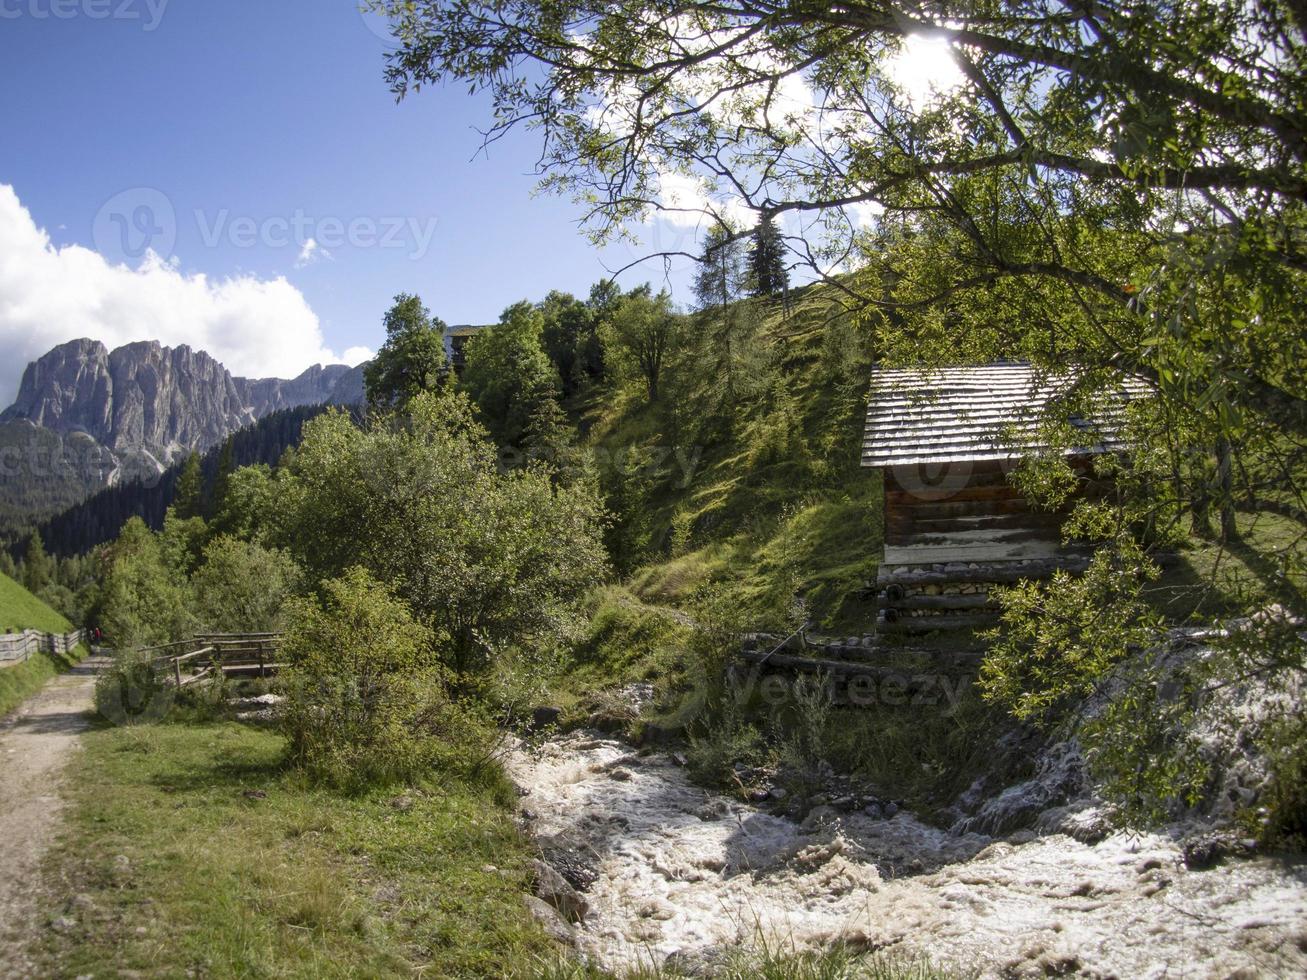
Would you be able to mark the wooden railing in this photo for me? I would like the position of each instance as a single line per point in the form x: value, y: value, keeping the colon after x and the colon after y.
x: 190, y: 661
x: 17, y: 648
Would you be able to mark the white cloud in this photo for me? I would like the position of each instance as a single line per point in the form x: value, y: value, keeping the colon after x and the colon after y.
x: 694, y: 206
x: 311, y: 252
x: 50, y: 295
x: 865, y: 213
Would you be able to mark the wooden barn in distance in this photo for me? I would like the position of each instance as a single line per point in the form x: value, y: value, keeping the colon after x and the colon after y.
x: 946, y: 439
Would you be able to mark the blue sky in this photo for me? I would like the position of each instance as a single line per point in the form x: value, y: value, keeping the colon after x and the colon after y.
x: 246, y: 128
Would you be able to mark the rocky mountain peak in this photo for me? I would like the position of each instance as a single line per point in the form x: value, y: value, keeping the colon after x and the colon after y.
x: 161, y: 402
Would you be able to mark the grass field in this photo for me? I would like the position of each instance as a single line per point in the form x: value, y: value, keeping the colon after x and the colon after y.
x: 195, y: 850
x: 191, y: 850
x: 20, y: 610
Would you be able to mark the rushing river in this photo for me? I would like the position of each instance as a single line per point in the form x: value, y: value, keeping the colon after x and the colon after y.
x: 682, y: 872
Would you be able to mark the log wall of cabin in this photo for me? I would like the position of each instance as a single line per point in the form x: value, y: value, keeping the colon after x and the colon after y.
x: 981, y: 509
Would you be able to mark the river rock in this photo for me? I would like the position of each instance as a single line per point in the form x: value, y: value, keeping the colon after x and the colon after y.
x: 1084, y: 820
x: 553, y: 888
x: 653, y: 734
x: 819, y: 817
x: 552, y: 923
x: 696, y: 962
x: 565, y: 858
x: 1209, y: 850
x: 544, y: 717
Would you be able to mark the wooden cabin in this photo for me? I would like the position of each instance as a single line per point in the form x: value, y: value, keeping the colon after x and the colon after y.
x: 456, y: 339
x: 946, y: 440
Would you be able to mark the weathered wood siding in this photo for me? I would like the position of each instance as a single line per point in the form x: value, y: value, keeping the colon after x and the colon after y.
x: 988, y: 519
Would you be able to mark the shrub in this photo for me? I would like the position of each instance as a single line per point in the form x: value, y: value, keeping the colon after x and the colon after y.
x: 365, y: 700
x: 712, y: 756
x: 133, y: 690
x: 1060, y: 639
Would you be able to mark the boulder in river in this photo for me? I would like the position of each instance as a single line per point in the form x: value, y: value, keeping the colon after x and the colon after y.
x: 552, y: 887
x: 552, y: 923
x: 819, y: 817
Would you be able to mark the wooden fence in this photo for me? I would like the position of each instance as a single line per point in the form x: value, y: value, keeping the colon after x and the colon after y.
x: 189, y: 661
x: 17, y: 648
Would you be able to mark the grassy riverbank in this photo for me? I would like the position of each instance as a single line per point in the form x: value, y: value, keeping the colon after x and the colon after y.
x: 190, y: 849
x: 193, y: 848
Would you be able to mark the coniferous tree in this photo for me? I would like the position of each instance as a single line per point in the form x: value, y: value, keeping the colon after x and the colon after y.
x: 767, y: 260
x: 189, y: 499
x: 719, y: 283
x: 222, y: 479
x: 720, y: 278
x: 37, y: 567
x: 101, y: 517
x: 550, y: 438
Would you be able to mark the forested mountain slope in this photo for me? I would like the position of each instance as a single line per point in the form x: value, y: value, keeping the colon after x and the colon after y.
x: 99, y: 518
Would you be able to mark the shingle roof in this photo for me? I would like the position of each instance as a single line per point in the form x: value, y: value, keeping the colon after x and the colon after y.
x: 987, y: 412
x: 463, y: 330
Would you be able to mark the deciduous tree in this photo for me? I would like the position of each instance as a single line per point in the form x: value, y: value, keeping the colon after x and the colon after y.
x: 412, y: 360
x: 508, y: 372
x: 643, y: 330
x: 491, y: 562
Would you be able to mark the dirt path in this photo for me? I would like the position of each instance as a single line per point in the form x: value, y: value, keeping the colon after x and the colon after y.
x: 35, y: 744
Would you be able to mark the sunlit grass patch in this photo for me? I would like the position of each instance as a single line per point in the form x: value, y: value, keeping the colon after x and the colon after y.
x: 199, y: 850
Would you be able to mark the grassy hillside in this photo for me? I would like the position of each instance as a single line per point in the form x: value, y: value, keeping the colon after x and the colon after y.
x: 754, y: 484
x: 754, y: 514
x: 20, y: 610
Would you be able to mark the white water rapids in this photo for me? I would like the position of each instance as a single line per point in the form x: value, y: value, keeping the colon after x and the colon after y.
x: 685, y: 871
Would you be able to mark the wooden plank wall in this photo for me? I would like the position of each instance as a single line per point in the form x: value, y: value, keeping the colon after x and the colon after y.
x: 985, y: 510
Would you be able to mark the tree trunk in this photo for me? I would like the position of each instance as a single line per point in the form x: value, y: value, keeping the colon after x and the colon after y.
x: 1225, y: 489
